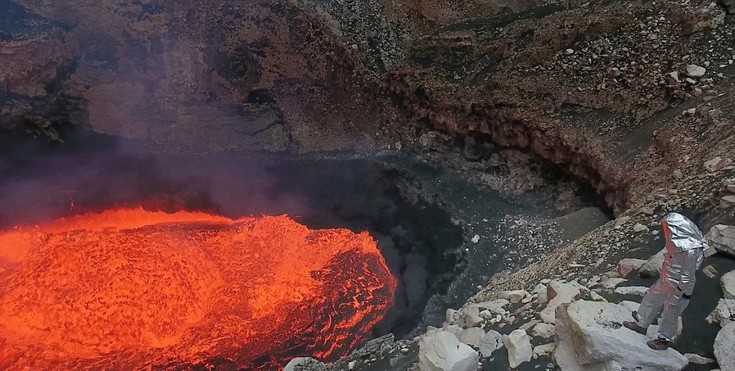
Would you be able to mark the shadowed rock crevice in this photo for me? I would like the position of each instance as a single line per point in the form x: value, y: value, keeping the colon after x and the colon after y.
x: 510, y: 127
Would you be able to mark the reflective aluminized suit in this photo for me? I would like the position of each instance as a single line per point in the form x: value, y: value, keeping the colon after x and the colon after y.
x: 685, y: 249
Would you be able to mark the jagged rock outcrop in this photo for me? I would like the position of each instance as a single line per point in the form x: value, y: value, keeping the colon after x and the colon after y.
x: 728, y: 285
x: 722, y: 237
x: 270, y: 75
x: 724, y: 346
x: 724, y: 312
x: 37, y: 57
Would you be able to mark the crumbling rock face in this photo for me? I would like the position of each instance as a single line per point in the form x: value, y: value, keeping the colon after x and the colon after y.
x: 583, y: 87
x: 29, y: 64
x: 36, y: 57
x: 221, y: 76
x: 510, y: 127
x: 577, y: 86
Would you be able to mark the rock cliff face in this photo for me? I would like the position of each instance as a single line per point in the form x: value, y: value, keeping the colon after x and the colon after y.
x: 583, y: 87
x: 262, y: 75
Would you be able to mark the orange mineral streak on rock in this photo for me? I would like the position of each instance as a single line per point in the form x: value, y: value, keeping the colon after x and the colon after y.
x: 134, y: 289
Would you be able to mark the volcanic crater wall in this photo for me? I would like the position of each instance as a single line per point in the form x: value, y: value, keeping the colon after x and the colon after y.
x: 213, y: 75
x: 510, y: 127
x: 312, y: 75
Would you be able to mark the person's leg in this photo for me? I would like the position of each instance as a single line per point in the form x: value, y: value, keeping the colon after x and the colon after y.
x: 652, y: 303
x: 673, y: 308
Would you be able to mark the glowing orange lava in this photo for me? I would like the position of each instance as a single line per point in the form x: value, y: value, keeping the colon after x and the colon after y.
x: 132, y: 288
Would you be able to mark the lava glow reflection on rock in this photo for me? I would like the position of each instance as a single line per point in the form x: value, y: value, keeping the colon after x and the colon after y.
x: 132, y: 288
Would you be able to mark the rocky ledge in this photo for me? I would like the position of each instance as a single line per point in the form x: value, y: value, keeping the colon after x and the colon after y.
x: 571, y: 325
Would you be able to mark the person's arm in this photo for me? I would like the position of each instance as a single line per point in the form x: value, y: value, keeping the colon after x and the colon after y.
x: 689, y: 262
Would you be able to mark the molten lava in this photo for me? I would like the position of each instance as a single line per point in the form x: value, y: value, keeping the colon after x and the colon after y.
x: 139, y: 289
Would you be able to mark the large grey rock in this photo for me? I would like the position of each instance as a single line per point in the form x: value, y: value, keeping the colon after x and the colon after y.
x: 717, y: 163
x: 724, y: 313
x: 442, y: 351
x: 652, y: 267
x: 728, y: 285
x: 638, y: 228
x: 300, y: 361
x: 628, y: 265
x: 611, y: 283
x: 496, y: 306
x: 543, y: 330
x: 699, y: 360
x: 591, y: 336
x: 470, y: 315
x: 455, y: 329
x: 722, y: 238
x: 544, y: 350
x: 491, y: 342
x: 451, y: 316
x: 631, y: 290
x: 541, y: 291
x: 519, y: 348
x: 694, y: 70
x: 567, y: 360
x: 725, y: 348
x: 514, y: 296
x: 559, y: 293
x: 471, y: 336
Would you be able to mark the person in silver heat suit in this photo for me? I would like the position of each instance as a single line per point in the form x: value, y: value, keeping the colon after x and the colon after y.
x: 686, y: 247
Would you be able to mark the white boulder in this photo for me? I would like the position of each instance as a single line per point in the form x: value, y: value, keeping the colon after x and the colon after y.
x: 620, y: 222
x: 594, y: 295
x: 722, y: 238
x: 694, y: 70
x: 544, y: 350
x: 543, y: 330
x: 519, y: 348
x: 728, y: 285
x: 631, y: 290
x: 590, y: 336
x: 471, y: 336
x: 559, y: 293
x: 442, y: 351
x: 541, y: 291
x: 491, y: 342
x: 470, y: 315
x: 299, y: 361
x: 611, y: 283
x: 514, y: 296
x: 699, y: 360
x: 496, y: 306
x: 455, y: 329
x: 451, y: 316
x: 724, y: 313
x: 626, y: 266
x: 652, y: 267
x: 724, y: 346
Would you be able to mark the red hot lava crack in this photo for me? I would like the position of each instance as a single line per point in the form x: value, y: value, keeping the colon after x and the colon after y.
x: 131, y: 288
